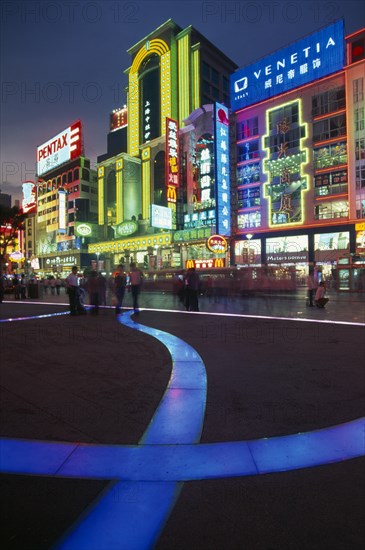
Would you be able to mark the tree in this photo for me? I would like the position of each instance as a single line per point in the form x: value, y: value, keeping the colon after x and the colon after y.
x: 11, y: 222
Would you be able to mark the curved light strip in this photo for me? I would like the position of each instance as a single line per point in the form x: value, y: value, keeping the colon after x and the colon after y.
x: 160, y: 458
x: 136, y: 523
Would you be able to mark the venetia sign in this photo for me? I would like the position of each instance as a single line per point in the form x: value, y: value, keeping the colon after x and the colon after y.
x: 67, y: 145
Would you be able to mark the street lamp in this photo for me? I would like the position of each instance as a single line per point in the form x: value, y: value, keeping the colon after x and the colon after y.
x: 248, y: 237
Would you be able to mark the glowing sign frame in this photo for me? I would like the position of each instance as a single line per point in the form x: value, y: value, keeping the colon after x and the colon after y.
x: 304, y: 161
x: 313, y: 57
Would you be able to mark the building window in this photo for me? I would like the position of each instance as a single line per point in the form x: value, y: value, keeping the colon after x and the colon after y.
x: 329, y: 101
x: 249, y: 173
x: 247, y: 128
x: 329, y: 128
x: 332, y: 210
x: 85, y: 188
x: 359, y: 119
x: 332, y: 154
x: 331, y: 183
x: 248, y: 151
x: 248, y: 198
x: 251, y: 219
x: 358, y: 90
x: 76, y: 174
x: 360, y: 177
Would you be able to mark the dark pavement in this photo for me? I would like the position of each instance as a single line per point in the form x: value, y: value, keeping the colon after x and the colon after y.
x: 274, y: 368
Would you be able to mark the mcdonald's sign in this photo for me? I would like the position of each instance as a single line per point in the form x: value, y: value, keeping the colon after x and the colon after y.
x: 219, y: 262
x: 171, y: 194
x: 189, y: 264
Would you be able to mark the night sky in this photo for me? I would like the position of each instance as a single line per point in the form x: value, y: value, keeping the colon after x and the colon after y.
x: 62, y: 60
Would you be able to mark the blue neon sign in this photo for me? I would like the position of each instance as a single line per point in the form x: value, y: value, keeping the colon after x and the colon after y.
x: 318, y: 55
x: 222, y: 183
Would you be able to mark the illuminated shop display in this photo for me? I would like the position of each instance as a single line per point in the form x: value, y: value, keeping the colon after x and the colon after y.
x: 287, y: 249
x: 286, y: 158
x: 313, y: 57
x: 222, y: 184
x: 331, y: 155
x: 67, y: 145
x: 247, y: 251
x: 332, y: 241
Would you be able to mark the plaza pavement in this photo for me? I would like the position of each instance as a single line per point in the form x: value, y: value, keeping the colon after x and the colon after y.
x: 274, y: 368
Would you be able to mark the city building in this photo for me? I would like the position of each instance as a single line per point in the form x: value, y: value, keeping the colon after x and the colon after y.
x: 152, y: 209
x: 300, y: 158
x: 67, y: 204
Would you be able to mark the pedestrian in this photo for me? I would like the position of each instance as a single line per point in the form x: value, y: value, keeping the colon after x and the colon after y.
x: 320, y: 298
x: 312, y: 287
x: 52, y: 284
x: 136, y: 277
x: 192, y: 290
x: 102, y: 288
x: 120, y: 281
x: 45, y: 285
x: 23, y: 287
x: 17, y: 289
x: 94, y: 290
x: 2, y: 288
x: 72, y: 285
x: 58, y: 286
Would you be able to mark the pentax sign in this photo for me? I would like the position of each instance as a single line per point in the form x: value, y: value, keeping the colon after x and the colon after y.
x: 67, y: 145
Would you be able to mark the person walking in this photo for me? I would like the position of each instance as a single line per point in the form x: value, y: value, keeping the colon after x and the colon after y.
x: 23, y: 287
x: 136, y: 277
x: 120, y: 281
x: 312, y: 287
x: 94, y: 290
x: 192, y: 290
x: 58, y: 286
x: 72, y: 285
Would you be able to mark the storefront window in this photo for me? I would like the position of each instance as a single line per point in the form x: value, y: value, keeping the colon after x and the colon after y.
x: 247, y: 198
x: 248, y: 174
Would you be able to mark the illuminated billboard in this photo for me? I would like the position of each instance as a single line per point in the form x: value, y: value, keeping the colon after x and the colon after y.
x: 161, y: 217
x: 67, y: 145
x: 29, y: 197
x: 318, y: 55
x: 222, y: 181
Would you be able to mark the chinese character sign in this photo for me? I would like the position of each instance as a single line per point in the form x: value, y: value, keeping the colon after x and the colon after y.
x: 172, y: 153
x: 318, y: 55
x: 222, y: 190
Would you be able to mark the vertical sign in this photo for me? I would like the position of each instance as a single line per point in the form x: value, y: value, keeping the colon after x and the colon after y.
x: 222, y: 183
x: 62, y: 210
x: 172, y: 164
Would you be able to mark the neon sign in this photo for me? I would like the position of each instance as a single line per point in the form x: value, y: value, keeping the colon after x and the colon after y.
x: 222, y: 188
x: 217, y: 244
x: 286, y: 156
x: 66, y: 146
x: 313, y: 57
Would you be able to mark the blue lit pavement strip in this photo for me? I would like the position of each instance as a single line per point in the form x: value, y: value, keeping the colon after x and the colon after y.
x: 131, y: 513
x: 185, y: 462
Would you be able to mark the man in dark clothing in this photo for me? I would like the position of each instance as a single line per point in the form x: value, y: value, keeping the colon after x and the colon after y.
x: 192, y: 290
x: 120, y: 281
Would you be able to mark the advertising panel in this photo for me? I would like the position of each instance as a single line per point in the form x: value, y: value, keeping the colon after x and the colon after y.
x: 62, y: 210
x: 222, y: 183
x: 315, y: 56
x: 287, y: 249
x: 67, y: 145
x: 161, y: 217
x: 29, y: 197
